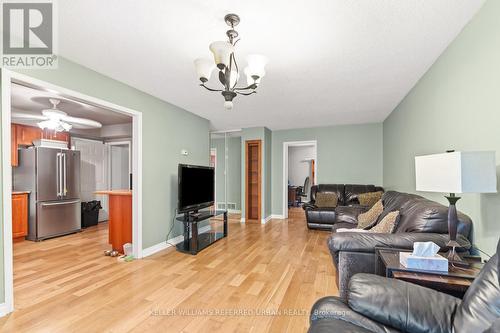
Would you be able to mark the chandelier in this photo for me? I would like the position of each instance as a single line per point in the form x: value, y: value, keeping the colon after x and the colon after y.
x: 229, y: 72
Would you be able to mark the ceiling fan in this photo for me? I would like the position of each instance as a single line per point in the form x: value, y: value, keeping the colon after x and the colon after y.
x: 57, y: 120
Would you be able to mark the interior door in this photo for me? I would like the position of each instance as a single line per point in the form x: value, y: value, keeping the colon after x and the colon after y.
x: 47, y: 173
x: 71, y: 174
x: 93, y: 172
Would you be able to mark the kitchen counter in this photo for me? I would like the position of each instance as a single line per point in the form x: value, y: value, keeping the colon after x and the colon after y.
x: 120, y: 217
x: 20, y: 192
x: 115, y: 192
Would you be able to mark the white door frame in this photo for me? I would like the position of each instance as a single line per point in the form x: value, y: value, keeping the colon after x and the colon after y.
x: 9, y: 77
x: 284, y: 185
x: 119, y: 143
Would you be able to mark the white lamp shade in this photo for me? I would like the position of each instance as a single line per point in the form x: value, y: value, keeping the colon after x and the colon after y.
x: 457, y: 172
x: 256, y: 65
x: 250, y: 79
x: 204, y: 68
x: 222, y: 52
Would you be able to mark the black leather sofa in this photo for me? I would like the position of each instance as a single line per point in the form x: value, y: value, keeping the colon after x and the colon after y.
x: 421, y: 220
x: 348, y: 206
x: 382, y: 305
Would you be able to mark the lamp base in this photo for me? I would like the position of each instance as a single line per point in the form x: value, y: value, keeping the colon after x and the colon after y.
x: 453, y: 257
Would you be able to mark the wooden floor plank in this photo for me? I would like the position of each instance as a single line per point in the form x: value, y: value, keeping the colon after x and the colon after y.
x: 261, y: 278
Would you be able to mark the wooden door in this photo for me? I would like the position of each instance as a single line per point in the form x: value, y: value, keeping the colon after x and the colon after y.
x: 19, y: 215
x: 253, y: 163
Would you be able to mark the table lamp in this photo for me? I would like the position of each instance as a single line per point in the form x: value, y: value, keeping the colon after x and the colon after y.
x: 456, y: 172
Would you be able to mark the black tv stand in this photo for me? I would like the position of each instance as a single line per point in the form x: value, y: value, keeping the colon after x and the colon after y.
x: 198, y: 242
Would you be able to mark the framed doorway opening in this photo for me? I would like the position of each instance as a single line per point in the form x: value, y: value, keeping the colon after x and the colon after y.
x: 314, y: 165
x: 8, y: 78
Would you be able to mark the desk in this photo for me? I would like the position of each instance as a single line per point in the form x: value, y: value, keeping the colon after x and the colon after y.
x: 120, y: 217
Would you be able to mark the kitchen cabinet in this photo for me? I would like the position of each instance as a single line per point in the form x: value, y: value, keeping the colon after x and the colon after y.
x: 13, y: 145
x: 19, y: 215
x: 22, y: 135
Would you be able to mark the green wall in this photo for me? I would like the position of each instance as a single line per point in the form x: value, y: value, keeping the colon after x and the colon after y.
x: 455, y: 105
x: 233, y: 169
x: 166, y: 130
x: 346, y: 154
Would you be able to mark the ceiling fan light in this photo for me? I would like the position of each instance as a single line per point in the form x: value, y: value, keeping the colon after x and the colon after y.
x: 222, y: 52
x: 204, y: 68
x: 48, y: 124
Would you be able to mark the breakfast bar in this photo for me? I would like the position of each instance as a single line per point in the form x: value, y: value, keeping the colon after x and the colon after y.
x: 120, y: 217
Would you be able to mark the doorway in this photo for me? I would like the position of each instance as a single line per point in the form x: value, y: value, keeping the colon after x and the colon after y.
x: 9, y: 79
x: 300, y: 172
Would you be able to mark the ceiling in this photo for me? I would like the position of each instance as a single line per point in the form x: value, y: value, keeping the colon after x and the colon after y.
x: 29, y: 100
x: 331, y: 61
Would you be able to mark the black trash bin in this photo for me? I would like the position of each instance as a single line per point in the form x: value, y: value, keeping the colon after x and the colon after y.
x: 90, y: 213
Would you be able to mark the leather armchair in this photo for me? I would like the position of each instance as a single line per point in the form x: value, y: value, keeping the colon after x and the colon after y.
x: 382, y: 305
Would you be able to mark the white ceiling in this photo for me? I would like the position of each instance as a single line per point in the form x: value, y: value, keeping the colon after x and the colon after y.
x: 331, y: 61
x: 32, y: 101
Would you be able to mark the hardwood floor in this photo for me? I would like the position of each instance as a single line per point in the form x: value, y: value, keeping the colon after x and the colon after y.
x: 236, y: 285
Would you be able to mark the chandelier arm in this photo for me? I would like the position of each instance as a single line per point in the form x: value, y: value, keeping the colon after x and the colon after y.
x: 253, y: 86
x: 246, y: 94
x: 232, y: 60
x: 204, y: 86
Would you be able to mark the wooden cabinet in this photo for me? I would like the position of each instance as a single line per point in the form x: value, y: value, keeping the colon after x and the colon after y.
x: 13, y: 145
x: 27, y: 134
x: 22, y: 135
x: 19, y: 215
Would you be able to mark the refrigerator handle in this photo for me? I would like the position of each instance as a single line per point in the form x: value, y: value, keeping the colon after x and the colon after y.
x: 59, y: 174
x: 65, y: 189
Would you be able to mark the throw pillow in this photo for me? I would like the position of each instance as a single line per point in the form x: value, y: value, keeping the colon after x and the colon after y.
x: 368, y: 218
x: 388, y: 223
x: 326, y: 200
x: 370, y: 198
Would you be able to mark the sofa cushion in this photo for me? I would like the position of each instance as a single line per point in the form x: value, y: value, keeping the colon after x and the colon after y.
x: 352, y: 192
x: 370, y: 198
x: 348, y: 214
x: 370, y: 217
x: 338, y: 189
x: 388, y: 223
x: 326, y: 200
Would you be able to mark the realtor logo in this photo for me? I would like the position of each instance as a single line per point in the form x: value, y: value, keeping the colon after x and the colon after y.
x: 28, y: 34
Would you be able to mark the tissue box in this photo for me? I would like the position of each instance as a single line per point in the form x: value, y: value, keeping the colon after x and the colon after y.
x: 434, y: 263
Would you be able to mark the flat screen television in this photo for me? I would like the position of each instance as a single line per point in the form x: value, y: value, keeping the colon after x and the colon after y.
x: 196, y: 187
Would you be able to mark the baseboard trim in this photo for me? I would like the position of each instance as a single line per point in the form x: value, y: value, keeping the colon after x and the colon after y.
x: 242, y: 220
x: 277, y: 217
x: 164, y: 245
x: 234, y: 211
x: 4, y: 309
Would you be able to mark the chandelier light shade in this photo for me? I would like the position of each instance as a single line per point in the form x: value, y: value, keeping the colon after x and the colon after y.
x: 256, y: 65
x: 229, y: 71
x: 222, y: 53
x: 204, y: 68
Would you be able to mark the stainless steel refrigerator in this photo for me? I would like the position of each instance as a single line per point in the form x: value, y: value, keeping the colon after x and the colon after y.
x: 53, y: 177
